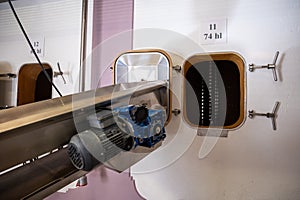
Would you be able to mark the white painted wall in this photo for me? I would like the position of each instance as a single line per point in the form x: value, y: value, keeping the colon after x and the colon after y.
x: 254, y: 162
x: 59, y: 22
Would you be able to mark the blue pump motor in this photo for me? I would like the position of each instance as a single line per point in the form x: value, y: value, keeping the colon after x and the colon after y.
x: 145, y: 125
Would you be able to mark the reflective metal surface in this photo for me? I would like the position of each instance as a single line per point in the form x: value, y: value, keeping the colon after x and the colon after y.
x: 39, y: 178
x: 29, y: 131
x: 145, y: 65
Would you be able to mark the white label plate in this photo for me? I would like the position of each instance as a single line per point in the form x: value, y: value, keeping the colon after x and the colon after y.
x: 213, y: 31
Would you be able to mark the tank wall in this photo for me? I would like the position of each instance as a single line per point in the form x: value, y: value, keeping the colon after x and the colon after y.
x: 254, y: 162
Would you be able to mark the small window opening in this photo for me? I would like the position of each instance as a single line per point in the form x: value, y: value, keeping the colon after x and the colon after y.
x: 214, y: 91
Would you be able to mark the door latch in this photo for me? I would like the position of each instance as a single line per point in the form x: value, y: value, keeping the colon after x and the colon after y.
x: 272, y: 115
x: 272, y: 66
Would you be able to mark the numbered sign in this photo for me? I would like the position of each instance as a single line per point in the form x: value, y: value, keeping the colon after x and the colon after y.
x: 213, y: 31
x: 38, y: 45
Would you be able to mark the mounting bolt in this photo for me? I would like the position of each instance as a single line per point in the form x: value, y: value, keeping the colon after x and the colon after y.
x: 176, y: 112
x: 177, y: 68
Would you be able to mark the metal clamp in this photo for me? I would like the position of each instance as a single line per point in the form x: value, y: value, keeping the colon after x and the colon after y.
x: 59, y: 73
x: 271, y: 115
x: 272, y: 66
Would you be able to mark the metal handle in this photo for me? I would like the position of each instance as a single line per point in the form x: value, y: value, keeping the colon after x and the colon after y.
x: 59, y: 73
x: 272, y: 66
x: 271, y: 115
x: 274, y: 111
x: 9, y: 75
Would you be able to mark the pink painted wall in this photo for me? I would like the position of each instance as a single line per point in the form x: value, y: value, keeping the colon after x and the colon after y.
x: 111, y: 19
x: 103, y: 184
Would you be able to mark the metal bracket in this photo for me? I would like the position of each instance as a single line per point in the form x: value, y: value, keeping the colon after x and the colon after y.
x: 59, y: 73
x: 212, y: 132
x: 272, y: 66
x: 271, y: 115
x: 177, y: 68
